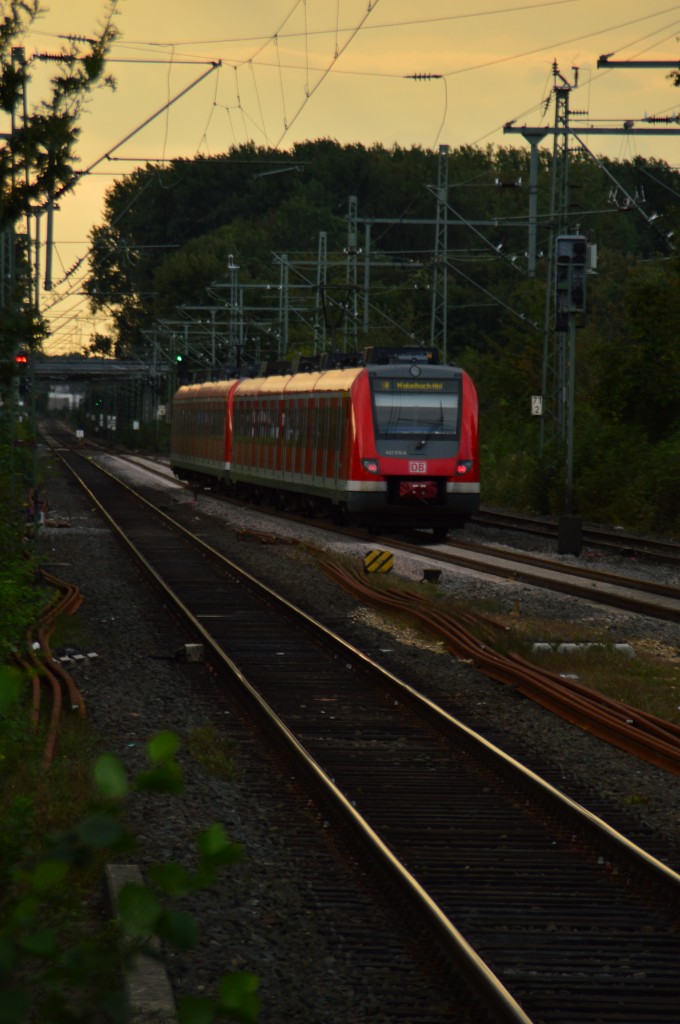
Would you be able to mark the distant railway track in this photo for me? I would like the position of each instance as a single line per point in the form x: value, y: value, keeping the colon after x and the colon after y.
x: 645, y: 597
x: 616, y: 541
x: 525, y: 907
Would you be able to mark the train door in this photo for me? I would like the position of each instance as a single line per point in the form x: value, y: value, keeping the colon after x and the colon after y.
x: 269, y: 432
x: 251, y: 432
x: 321, y: 417
x: 210, y: 431
x: 247, y: 411
x: 313, y: 439
x: 300, y: 436
x: 277, y: 434
x: 344, y: 437
x: 287, y: 436
x: 332, y: 441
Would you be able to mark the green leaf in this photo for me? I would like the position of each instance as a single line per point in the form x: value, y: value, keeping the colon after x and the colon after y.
x: 173, y: 879
x: 237, y: 995
x: 139, y: 910
x: 110, y: 777
x: 116, y: 1005
x: 25, y: 911
x: 99, y: 831
x: 212, y: 840
x: 196, y: 1010
x: 10, y: 687
x: 167, y: 779
x: 216, y: 848
x: 162, y: 747
x: 7, y: 955
x: 178, y: 927
x: 42, y: 943
x: 48, y: 874
x: 14, y: 1006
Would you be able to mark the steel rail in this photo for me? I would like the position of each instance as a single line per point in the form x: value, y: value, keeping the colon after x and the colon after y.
x: 39, y: 664
x: 574, y: 822
x: 453, y: 948
x: 664, y: 600
x: 607, y: 539
x: 647, y: 737
x: 418, y: 700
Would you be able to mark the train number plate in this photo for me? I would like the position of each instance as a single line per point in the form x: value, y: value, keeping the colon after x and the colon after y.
x: 417, y: 467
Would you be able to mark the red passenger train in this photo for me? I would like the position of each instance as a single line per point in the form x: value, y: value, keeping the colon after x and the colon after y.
x: 384, y: 444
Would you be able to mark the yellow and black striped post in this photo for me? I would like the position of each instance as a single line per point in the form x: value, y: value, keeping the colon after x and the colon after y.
x: 378, y: 561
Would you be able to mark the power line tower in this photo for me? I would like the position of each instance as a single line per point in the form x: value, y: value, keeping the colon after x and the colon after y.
x: 284, y: 303
x: 556, y: 370
x: 555, y: 404
x: 439, y: 269
x: 352, y: 253
x: 235, y: 308
x: 321, y: 282
x: 568, y: 259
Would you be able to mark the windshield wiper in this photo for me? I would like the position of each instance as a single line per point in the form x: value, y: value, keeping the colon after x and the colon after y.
x: 435, y: 429
x: 423, y: 441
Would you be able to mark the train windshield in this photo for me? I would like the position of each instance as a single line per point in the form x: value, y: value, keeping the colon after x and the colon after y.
x: 419, y: 411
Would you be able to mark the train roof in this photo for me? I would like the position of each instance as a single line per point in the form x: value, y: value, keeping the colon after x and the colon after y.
x: 335, y: 379
x: 207, y: 389
x: 291, y: 383
x: 298, y: 383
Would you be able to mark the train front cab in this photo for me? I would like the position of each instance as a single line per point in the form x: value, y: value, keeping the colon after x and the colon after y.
x: 418, y: 447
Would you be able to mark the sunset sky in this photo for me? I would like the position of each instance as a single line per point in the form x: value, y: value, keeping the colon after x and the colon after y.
x: 280, y: 71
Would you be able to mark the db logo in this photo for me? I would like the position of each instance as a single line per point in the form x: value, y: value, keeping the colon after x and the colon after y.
x: 417, y: 467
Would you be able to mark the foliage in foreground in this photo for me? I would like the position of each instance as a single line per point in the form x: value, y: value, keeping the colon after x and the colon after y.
x: 53, y: 969
x: 19, y: 598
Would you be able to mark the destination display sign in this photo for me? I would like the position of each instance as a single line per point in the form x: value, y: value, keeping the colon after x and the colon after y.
x: 428, y: 386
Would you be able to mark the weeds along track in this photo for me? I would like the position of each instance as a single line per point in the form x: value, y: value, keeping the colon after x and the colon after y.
x: 630, y: 729
x: 516, y: 903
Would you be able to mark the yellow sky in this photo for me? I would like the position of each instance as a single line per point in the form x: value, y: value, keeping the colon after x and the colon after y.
x: 291, y: 70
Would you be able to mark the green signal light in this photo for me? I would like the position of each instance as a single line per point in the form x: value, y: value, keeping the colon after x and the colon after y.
x: 179, y: 358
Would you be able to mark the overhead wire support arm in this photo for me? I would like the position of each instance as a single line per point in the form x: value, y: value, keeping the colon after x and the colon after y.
x: 214, y: 65
x: 627, y: 128
x: 605, y: 62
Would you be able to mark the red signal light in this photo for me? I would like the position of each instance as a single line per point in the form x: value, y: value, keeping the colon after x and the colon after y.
x: 21, y: 359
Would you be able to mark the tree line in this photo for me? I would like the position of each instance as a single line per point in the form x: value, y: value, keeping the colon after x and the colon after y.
x: 171, y: 233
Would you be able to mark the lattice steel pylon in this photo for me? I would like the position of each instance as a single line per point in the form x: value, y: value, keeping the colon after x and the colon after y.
x: 555, y: 370
x: 352, y: 253
x: 438, y: 325
x: 321, y: 282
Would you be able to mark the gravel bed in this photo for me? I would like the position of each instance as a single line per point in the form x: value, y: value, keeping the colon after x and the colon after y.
x: 261, y: 917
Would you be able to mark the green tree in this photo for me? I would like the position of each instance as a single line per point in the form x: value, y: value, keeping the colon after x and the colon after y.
x: 36, y: 166
x: 37, y: 160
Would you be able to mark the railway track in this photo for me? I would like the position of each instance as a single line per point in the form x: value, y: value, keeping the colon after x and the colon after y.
x: 616, y: 541
x: 630, y: 729
x: 641, y: 596
x: 523, y: 906
x: 644, y: 597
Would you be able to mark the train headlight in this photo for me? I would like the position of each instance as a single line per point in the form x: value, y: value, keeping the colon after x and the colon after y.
x: 464, y: 467
x: 371, y: 465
